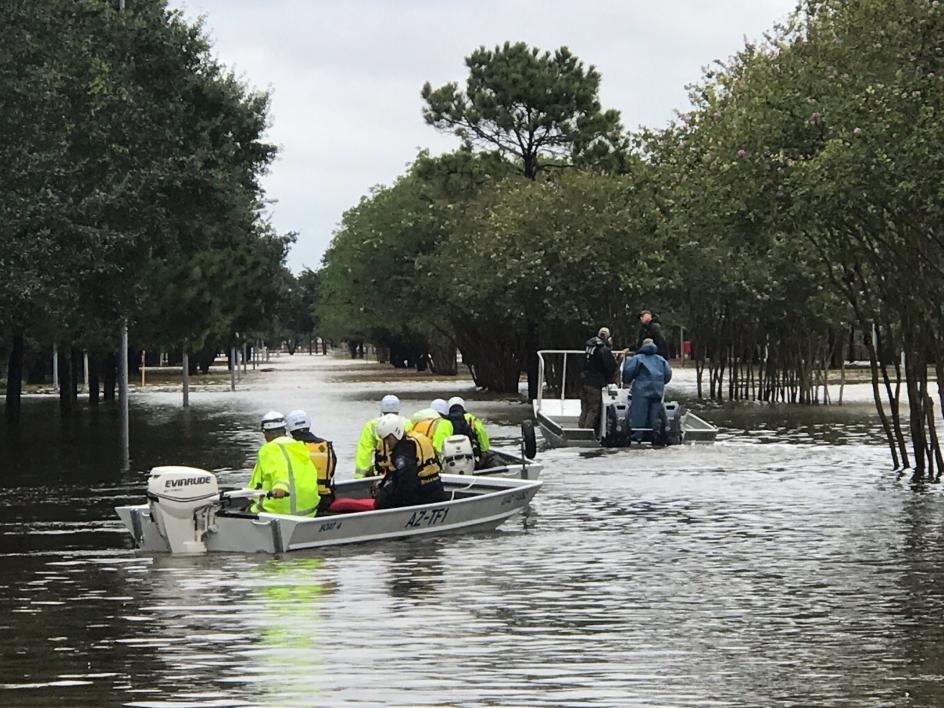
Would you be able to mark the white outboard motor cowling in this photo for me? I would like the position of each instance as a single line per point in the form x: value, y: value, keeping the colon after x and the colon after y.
x: 182, y: 501
x: 457, y: 455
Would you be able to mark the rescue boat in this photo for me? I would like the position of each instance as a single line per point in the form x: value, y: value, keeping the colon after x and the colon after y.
x: 186, y: 513
x: 558, y: 417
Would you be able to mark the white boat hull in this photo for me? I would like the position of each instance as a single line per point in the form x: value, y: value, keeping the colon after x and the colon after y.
x: 557, y: 420
x: 478, y: 504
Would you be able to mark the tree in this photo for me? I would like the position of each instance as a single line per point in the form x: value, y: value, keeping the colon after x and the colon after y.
x: 540, y: 107
x: 129, y: 182
x: 379, y: 282
x: 543, y: 264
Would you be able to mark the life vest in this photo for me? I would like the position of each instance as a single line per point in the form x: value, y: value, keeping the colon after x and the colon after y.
x: 324, y: 459
x: 465, y: 425
x: 427, y: 464
x: 322, y: 456
x: 426, y: 427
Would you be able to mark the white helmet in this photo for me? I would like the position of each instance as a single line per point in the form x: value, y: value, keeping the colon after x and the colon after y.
x: 273, y: 420
x: 297, y: 420
x: 440, y: 406
x: 390, y: 424
x: 389, y: 404
x: 456, y: 401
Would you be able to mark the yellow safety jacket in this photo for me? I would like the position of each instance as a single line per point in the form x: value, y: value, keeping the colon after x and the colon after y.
x: 323, y: 457
x: 427, y: 463
x: 285, y: 463
x: 367, y: 447
x: 436, y: 429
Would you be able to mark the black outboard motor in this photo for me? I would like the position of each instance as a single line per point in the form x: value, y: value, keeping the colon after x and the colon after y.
x: 672, y: 434
x: 618, y: 429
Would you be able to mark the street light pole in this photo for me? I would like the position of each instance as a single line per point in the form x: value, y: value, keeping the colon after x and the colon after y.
x: 123, y: 394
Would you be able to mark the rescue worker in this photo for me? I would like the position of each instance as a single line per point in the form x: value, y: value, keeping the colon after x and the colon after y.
x: 651, y: 328
x: 464, y: 423
x: 598, y: 368
x: 409, y: 464
x: 321, y: 451
x: 649, y: 373
x: 432, y: 423
x: 284, y: 469
x: 364, y: 458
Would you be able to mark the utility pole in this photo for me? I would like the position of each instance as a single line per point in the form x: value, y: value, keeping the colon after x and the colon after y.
x: 123, y: 394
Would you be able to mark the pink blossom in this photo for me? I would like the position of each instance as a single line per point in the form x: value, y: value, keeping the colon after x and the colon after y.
x: 856, y: 131
x: 742, y: 153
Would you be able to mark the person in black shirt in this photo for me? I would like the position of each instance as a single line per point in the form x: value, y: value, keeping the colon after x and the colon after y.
x: 650, y: 328
x: 598, y: 368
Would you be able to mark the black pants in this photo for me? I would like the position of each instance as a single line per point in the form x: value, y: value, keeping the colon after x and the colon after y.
x: 591, y: 405
x: 392, y: 496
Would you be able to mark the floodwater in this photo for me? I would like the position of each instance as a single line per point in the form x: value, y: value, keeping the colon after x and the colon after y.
x: 784, y: 565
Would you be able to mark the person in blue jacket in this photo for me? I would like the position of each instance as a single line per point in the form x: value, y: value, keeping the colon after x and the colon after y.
x: 649, y: 373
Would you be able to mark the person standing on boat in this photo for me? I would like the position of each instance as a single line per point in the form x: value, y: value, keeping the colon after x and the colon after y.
x: 651, y: 328
x: 433, y: 423
x: 321, y: 451
x: 648, y: 373
x: 598, y: 368
x: 284, y: 469
x: 409, y: 465
x: 365, y: 464
x: 464, y: 423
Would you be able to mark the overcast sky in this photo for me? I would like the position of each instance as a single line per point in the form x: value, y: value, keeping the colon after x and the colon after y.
x: 345, y: 76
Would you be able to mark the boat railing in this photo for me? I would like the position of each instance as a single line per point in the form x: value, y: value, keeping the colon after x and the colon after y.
x: 541, y: 368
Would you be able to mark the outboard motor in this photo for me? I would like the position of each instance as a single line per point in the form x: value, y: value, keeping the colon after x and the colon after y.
x: 182, y: 502
x: 457, y: 455
x: 673, y: 423
x: 618, y: 430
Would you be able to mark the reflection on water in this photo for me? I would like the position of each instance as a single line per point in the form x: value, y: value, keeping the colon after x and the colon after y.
x: 780, y: 565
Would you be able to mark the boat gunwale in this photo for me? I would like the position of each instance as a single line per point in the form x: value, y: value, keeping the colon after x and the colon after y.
x: 516, y: 485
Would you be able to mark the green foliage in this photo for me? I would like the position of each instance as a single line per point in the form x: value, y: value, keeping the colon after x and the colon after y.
x: 380, y: 276
x: 529, y: 104
x: 129, y: 179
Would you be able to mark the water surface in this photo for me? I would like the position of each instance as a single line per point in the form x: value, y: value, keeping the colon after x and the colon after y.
x: 783, y: 565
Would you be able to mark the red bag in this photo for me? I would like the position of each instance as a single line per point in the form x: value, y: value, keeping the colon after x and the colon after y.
x: 348, y: 506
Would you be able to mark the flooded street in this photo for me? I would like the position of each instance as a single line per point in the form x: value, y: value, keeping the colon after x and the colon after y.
x: 782, y: 565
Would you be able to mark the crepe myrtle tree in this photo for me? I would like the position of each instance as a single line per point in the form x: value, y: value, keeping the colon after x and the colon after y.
x: 541, y: 107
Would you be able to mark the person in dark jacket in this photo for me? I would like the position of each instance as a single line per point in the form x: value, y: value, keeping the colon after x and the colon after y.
x: 651, y: 328
x: 409, y: 465
x: 598, y: 368
x: 649, y: 373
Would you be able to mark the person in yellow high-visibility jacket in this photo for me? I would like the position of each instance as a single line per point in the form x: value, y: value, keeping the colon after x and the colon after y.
x: 365, y: 458
x: 433, y: 424
x: 284, y: 469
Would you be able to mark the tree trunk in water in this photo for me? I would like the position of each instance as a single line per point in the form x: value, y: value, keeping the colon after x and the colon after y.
x: 444, y: 358
x: 109, y: 364
x: 93, y: 382
x: 76, y: 371
x: 65, y: 380
x: 15, y: 380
